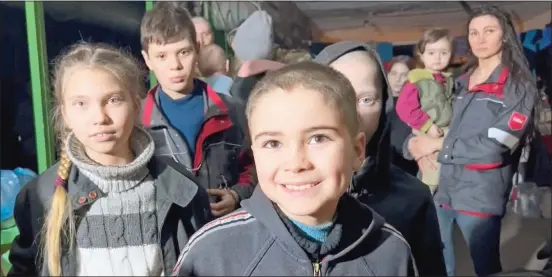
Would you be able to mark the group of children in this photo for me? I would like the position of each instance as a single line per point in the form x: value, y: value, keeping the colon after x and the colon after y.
x: 148, y: 183
x: 131, y: 200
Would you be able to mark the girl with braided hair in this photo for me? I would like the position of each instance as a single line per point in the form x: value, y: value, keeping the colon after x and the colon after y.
x: 109, y: 207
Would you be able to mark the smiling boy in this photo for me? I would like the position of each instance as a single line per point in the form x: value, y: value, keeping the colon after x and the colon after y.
x: 307, y: 144
x: 192, y: 124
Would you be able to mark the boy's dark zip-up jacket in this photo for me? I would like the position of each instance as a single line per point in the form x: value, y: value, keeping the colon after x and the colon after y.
x: 182, y: 208
x: 222, y: 153
x: 404, y: 201
x: 254, y: 241
x: 481, y: 151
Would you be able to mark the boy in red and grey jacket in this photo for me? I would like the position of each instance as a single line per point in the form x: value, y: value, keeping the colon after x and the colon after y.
x: 202, y: 130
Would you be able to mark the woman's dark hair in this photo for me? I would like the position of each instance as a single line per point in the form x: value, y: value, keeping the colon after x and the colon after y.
x: 513, y: 56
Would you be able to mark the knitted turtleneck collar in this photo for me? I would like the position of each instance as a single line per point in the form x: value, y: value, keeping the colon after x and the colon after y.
x: 115, y: 178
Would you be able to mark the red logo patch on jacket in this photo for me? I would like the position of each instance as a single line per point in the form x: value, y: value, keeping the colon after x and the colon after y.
x: 517, y: 121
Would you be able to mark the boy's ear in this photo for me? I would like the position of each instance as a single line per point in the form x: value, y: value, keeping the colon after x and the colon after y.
x: 146, y: 58
x: 359, y: 148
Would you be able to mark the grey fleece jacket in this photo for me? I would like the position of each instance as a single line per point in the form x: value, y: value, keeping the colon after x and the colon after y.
x: 254, y: 241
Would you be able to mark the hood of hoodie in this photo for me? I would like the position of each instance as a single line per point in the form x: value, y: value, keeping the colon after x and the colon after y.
x: 253, y: 39
x: 357, y: 231
x: 378, y: 150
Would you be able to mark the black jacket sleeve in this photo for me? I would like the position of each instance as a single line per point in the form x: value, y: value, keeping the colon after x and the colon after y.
x: 23, y: 254
x: 242, y: 86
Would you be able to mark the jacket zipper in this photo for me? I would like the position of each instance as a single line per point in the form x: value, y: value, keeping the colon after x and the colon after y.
x: 316, y: 268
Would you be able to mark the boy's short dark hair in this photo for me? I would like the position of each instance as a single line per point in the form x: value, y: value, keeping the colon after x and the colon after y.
x: 166, y: 22
x: 331, y: 84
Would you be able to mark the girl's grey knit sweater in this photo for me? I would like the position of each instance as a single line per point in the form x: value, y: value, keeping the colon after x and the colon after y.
x: 118, y: 234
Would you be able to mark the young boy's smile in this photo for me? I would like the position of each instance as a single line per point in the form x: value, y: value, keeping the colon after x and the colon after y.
x: 304, y: 153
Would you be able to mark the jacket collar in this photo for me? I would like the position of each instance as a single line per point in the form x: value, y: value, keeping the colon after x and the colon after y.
x: 171, y: 186
x: 494, y: 85
x: 354, y: 234
x: 152, y: 116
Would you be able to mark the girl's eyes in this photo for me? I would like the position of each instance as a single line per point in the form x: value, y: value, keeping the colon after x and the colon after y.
x: 367, y: 101
x: 113, y: 100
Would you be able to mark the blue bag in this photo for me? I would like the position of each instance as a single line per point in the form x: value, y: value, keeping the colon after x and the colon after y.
x: 11, y: 183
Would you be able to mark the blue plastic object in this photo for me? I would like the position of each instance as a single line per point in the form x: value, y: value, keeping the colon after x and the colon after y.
x: 11, y: 183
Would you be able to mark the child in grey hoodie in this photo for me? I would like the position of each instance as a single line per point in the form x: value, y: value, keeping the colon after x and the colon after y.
x: 300, y: 221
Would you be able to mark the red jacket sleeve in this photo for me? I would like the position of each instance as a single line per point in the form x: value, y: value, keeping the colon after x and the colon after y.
x: 409, y: 109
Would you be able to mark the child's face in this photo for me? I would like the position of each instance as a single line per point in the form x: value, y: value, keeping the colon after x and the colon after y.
x: 173, y: 64
x: 398, y: 75
x: 436, y: 56
x: 363, y: 71
x: 304, y: 154
x: 99, y: 111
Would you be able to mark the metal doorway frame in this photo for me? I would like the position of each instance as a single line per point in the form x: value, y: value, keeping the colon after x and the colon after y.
x: 40, y: 83
x: 152, y: 78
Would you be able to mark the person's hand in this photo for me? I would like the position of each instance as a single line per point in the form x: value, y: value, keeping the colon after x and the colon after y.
x: 254, y: 67
x: 227, y: 204
x: 427, y: 162
x: 423, y: 145
x: 434, y: 131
